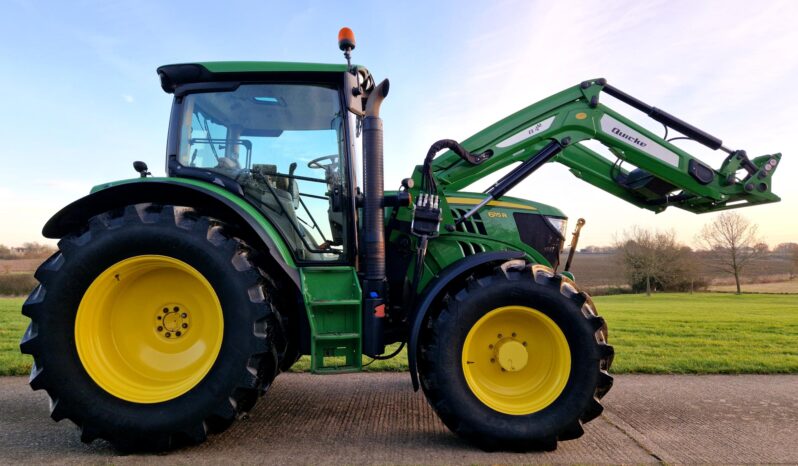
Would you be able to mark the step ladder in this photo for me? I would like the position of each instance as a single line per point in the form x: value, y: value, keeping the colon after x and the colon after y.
x: 333, y: 301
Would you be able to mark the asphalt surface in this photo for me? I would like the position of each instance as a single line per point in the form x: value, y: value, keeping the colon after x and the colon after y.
x: 377, y: 418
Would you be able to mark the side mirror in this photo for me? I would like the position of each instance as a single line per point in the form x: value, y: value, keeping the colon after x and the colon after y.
x: 141, y: 168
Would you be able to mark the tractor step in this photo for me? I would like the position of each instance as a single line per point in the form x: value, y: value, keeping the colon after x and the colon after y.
x: 333, y: 301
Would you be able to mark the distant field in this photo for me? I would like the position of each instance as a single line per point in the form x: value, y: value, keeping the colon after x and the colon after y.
x: 703, y: 333
x: 600, y: 271
x: 790, y: 286
x: 19, y: 265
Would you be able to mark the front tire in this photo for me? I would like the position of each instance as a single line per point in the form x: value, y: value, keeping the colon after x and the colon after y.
x: 151, y: 328
x: 516, y: 360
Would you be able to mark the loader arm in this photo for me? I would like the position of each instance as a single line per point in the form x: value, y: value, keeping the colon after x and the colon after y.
x: 645, y: 169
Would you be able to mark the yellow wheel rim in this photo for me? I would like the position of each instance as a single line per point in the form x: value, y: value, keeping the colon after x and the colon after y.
x: 149, y: 328
x: 516, y: 360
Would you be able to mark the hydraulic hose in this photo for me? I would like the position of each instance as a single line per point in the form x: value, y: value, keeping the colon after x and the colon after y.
x: 474, y: 159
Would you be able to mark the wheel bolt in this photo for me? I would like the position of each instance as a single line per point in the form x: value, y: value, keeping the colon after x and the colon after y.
x: 513, y: 334
x: 503, y: 370
x: 500, y: 335
x: 177, y: 334
x: 168, y: 334
x: 524, y: 343
x: 177, y: 308
x: 185, y: 325
x: 184, y: 315
x: 159, y: 317
x: 490, y: 346
x: 165, y: 310
x: 492, y: 360
x: 160, y: 329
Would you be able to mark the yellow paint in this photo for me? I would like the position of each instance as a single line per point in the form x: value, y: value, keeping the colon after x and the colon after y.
x: 127, y: 323
x: 581, y: 116
x: 512, y: 355
x: 516, y: 360
x: 469, y: 201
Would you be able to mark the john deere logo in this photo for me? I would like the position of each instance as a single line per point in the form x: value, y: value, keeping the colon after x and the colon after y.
x: 628, y: 137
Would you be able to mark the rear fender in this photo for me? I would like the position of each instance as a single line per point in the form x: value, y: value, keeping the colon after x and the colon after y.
x: 212, y: 199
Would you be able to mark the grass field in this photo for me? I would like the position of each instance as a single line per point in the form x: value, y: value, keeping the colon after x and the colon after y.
x: 704, y: 333
x: 12, y: 326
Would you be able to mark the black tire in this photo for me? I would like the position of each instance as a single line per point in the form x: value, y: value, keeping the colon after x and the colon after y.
x: 247, y: 361
x: 520, y: 284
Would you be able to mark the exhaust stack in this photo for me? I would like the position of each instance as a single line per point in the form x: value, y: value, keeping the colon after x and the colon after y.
x: 373, y: 234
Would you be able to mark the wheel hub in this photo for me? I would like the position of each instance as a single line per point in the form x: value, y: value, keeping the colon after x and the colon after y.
x: 516, y: 360
x: 511, y: 354
x: 172, y: 321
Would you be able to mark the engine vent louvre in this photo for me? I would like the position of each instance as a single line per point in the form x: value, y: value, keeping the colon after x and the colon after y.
x: 469, y: 249
x: 473, y: 224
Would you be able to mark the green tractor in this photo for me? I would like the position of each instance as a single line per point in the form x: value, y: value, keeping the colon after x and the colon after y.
x: 173, y: 303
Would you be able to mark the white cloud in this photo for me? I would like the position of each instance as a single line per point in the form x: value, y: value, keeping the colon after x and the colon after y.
x: 726, y: 67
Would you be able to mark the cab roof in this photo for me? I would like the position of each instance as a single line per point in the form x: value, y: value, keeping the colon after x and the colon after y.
x: 188, y: 73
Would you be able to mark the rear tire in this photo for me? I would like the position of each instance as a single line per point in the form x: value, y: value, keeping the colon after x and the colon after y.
x: 541, y: 378
x: 77, y: 313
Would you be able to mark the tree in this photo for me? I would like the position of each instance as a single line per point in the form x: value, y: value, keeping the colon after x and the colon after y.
x: 653, y: 259
x: 732, y: 240
x: 36, y: 250
x: 790, y: 252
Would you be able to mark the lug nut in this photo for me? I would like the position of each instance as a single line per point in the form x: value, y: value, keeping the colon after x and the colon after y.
x: 490, y: 346
x: 165, y: 310
x: 160, y: 329
x: 177, y: 308
x: 513, y: 334
x: 168, y: 334
x: 185, y: 325
x: 500, y: 335
x: 177, y: 334
x: 492, y: 360
x: 524, y: 343
x: 184, y: 315
x: 159, y: 317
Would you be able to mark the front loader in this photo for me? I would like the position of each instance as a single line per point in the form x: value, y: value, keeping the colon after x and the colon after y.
x: 173, y: 302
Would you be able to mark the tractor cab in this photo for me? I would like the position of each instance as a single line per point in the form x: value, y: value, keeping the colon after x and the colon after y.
x: 283, y: 134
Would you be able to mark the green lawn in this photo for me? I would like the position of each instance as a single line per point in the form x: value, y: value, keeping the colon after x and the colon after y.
x: 665, y: 333
x: 12, y: 326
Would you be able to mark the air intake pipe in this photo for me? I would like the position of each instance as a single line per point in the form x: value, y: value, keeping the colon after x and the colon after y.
x: 373, y: 233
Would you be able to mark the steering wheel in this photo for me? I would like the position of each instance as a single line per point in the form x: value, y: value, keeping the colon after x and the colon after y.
x: 332, y: 158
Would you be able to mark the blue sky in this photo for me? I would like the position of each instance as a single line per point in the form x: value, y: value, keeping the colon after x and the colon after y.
x: 81, y: 99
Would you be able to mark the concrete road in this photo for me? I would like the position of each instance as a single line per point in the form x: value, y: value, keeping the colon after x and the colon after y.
x: 377, y: 418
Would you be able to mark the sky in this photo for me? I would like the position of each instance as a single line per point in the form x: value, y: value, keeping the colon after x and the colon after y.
x: 81, y: 100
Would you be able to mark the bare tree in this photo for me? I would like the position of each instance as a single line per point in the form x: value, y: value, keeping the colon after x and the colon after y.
x: 794, y: 262
x: 732, y: 240
x: 651, y: 257
x: 790, y: 252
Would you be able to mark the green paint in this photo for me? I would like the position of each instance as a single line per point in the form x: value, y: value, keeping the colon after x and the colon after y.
x: 574, y: 118
x: 333, y: 302
x: 271, y: 67
x: 262, y: 221
x: 332, y: 294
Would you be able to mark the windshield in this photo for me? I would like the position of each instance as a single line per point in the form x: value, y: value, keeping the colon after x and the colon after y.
x: 283, y: 143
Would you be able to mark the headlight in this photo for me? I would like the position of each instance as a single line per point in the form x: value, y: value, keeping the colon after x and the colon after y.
x: 559, y: 224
